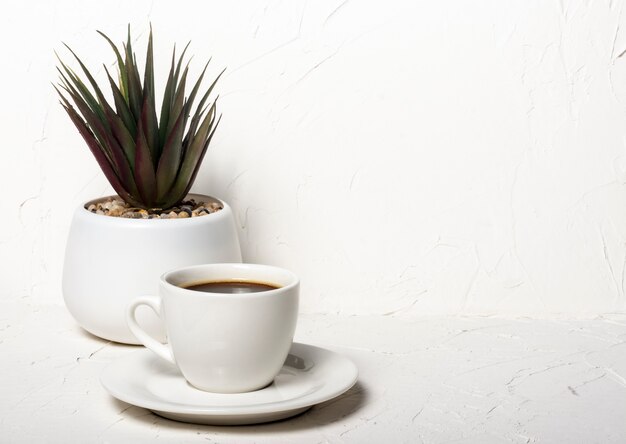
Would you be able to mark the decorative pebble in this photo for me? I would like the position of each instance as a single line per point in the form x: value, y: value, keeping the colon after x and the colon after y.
x: 132, y: 215
x: 116, y: 211
x: 186, y: 209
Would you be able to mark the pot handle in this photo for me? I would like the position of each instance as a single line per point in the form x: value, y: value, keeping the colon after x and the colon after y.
x: 162, y: 350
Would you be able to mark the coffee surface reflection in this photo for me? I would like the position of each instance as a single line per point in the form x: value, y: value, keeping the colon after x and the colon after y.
x: 231, y: 287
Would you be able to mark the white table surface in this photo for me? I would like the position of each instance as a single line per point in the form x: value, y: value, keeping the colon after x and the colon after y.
x: 432, y: 380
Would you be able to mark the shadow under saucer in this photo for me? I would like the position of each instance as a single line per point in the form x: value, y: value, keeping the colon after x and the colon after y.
x: 340, y: 408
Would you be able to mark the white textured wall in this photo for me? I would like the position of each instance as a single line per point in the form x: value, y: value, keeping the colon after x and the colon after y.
x: 401, y: 156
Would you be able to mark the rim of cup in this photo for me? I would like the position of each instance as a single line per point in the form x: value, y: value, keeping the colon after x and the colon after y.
x: 293, y: 279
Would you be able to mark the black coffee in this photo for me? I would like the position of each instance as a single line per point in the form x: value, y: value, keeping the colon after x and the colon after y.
x: 231, y: 287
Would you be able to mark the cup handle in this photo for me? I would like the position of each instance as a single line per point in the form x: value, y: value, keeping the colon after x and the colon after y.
x: 162, y: 350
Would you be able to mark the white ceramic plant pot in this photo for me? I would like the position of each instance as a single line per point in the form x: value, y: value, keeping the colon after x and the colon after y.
x: 110, y: 261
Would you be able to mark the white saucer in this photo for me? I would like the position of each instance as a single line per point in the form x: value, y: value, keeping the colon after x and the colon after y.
x: 309, y: 376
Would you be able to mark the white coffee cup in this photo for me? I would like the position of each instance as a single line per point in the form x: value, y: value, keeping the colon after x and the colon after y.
x: 223, y: 343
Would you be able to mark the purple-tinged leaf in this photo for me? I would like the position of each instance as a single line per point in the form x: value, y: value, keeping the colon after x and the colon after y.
x: 193, y: 157
x: 99, y: 155
x: 171, y: 157
x: 120, y: 65
x: 101, y: 99
x: 117, y: 155
x: 121, y: 106
x: 123, y: 137
x: 92, y: 119
x: 196, y: 168
x: 144, y: 167
x: 149, y: 117
x: 179, y: 99
x: 134, y: 84
x: 194, y: 90
x: 180, y: 63
x: 195, y: 120
x: 167, y: 103
x: 81, y: 87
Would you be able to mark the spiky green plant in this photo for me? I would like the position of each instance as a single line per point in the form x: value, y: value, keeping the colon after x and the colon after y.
x: 151, y: 163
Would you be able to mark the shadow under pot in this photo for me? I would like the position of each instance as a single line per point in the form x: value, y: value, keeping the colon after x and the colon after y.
x: 110, y: 261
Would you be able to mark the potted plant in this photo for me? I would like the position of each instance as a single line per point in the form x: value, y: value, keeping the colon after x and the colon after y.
x: 118, y: 246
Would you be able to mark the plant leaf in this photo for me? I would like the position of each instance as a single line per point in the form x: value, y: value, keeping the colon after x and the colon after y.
x: 208, y: 91
x: 179, y: 99
x: 120, y: 150
x: 101, y: 99
x: 196, y: 168
x: 81, y: 87
x: 193, y: 157
x: 125, y: 173
x: 148, y: 115
x: 194, y: 90
x: 121, y: 106
x: 167, y: 103
x: 180, y: 63
x: 99, y: 155
x: 176, y: 101
x: 195, y: 120
x: 91, y: 118
x: 120, y: 66
x: 144, y: 166
x: 124, y: 138
x: 116, y: 153
x: 134, y: 84
x: 122, y: 134
x: 171, y: 157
